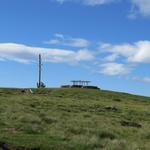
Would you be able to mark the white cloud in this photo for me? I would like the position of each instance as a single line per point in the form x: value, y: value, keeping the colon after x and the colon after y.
x: 88, y: 2
x: 23, y: 53
x: 83, y: 55
x: 138, y: 7
x: 111, y: 58
x: 138, y: 52
x: 68, y: 41
x: 129, y: 54
x: 140, y: 79
x: 114, y: 69
x: 141, y: 7
x: 97, y: 2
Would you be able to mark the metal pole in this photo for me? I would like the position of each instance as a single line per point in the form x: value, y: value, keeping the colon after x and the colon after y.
x: 40, y: 69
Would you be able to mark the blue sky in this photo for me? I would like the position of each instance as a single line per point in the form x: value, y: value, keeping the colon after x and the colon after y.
x: 105, y: 41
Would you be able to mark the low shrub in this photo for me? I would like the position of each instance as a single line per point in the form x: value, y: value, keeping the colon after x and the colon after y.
x: 130, y: 124
x: 106, y: 134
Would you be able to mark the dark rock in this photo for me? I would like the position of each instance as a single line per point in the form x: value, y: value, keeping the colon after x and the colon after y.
x: 130, y: 124
x: 111, y: 108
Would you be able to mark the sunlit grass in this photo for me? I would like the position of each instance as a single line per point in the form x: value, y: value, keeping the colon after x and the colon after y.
x: 74, y: 119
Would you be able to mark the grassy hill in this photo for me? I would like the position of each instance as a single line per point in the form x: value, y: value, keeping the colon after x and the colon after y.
x: 73, y: 119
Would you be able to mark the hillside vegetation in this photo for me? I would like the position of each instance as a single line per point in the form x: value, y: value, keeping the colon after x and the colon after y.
x: 73, y: 119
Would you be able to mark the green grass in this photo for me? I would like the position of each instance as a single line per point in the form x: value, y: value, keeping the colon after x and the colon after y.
x: 74, y: 119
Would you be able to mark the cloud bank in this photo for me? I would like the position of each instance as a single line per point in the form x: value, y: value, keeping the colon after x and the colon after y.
x: 138, y: 7
x: 27, y: 54
x: 121, y: 59
x: 109, y: 59
x: 138, y: 52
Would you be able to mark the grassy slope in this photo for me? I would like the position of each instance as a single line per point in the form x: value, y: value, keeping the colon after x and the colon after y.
x: 74, y: 119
